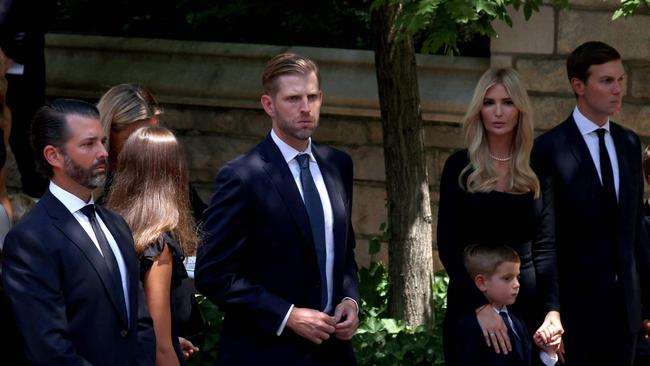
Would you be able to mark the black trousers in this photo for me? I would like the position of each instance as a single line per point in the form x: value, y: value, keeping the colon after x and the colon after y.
x: 599, y: 334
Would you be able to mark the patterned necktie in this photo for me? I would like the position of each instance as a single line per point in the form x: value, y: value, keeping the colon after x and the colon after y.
x: 515, y: 341
x: 109, y: 256
x: 314, y: 208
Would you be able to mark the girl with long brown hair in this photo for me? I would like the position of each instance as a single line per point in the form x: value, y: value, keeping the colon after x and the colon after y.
x: 150, y: 190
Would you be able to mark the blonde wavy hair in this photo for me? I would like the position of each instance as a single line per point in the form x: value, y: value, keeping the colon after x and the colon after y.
x: 124, y: 104
x: 150, y: 189
x: 483, y: 174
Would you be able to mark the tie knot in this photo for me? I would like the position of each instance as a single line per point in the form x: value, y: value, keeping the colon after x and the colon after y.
x: 89, y: 211
x: 601, y: 132
x: 303, y: 160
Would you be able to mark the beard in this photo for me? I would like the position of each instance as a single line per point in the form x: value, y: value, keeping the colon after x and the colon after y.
x: 84, y: 176
x: 292, y: 130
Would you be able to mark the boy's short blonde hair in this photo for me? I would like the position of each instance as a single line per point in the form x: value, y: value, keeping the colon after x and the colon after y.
x: 484, y: 259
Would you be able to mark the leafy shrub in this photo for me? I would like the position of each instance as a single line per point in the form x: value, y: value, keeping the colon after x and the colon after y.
x: 380, y: 340
x: 207, y: 340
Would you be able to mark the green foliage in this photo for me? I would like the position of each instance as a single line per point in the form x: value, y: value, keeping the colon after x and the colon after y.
x: 374, y: 244
x: 381, y: 340
x: 440, y: 24
x: 208, y: 339
x: 325, y: 23
x: 629, y: 7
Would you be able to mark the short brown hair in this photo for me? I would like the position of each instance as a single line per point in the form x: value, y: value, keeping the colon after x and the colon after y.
x: 587, y: 54
x: 484, y: 259
x: 286, y: 64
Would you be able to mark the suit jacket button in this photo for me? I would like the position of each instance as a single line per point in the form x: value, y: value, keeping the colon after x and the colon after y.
x: 124, y: 332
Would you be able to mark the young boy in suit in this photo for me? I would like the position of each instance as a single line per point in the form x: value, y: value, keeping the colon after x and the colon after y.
x: 495, y: 270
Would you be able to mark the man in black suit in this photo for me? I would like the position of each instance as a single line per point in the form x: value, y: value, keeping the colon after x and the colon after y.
x: 69, y: 268
x: 592, y: 190
x: 278, y: 253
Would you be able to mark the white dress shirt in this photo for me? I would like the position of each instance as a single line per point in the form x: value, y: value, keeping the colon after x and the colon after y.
x: 588, y: 130
x: 74, y: 204
x: 289, y: 154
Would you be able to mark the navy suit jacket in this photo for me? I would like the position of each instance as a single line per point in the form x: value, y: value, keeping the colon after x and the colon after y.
x: 258, y: 256
x: 471, y: 350
x: 57, y: 284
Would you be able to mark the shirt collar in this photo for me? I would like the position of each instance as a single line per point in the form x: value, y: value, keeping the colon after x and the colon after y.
x: 504, y: 308
x: 288, y: 152
x: 584, y: 124
x: 69, y: 200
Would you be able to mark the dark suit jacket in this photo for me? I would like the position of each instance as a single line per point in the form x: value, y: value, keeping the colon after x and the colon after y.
x: 57, y: 283
x: 258, y: 256
x: 600, y: 253
x: 471, y: 349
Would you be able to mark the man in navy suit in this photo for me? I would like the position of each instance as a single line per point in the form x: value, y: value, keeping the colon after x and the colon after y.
x: 278, y: 253
x: 592, y: 189
x: 69, y: 268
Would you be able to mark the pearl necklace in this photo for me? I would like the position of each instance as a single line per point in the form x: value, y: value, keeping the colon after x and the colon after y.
x: 498, y: 158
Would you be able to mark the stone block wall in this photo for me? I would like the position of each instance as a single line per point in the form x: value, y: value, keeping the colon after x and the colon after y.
x: 210, y: 92
x: 538, y: 50
x: 210, y: 95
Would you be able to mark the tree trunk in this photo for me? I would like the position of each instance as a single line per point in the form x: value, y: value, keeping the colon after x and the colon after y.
x: 409, y: 208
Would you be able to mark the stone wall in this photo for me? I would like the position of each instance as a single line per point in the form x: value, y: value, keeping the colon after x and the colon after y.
x: 210, y: 94
x: 538, y: 50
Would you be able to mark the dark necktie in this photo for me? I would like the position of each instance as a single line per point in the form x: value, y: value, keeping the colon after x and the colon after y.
x: 316, y: 219
x: 607, y: 175
x: 514, y: 338
x: 109, y: 257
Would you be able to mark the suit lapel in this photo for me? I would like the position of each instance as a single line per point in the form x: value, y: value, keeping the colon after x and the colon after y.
x: 625, y: 185
x: 523, y: 339
x: 278, y: 170
x: 124, y: 241
x: 334, y: 186
x: 576, y: 143
x: 65, y: 221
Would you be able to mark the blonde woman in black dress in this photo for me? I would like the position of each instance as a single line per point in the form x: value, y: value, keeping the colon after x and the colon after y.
x: 489, y: 195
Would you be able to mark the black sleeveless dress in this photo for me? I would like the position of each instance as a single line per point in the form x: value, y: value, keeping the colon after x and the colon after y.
x: 180, y: 294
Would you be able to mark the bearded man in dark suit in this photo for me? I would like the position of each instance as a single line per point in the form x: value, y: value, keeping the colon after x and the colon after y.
x: 69, y: 268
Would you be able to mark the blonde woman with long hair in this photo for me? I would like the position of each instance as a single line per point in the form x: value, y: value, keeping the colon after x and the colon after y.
x: 123, y: 109
x: 150, y: 190
x: 489, y: 195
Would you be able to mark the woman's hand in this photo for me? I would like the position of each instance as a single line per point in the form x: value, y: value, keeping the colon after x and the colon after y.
x: 494, y: 329
x: 551, y: 329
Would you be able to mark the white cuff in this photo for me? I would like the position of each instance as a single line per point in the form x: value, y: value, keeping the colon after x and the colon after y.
x: 547, y: 359
x: 354, y: 301
x: 284, y: 322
